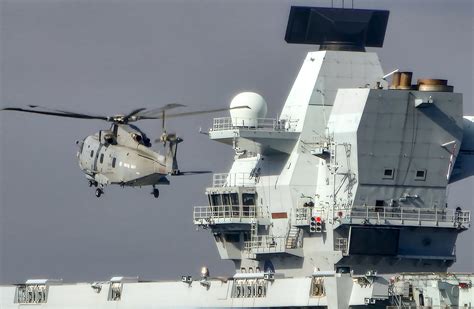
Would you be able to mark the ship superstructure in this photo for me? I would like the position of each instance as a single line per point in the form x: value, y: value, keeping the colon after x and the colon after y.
x: 339, y: 202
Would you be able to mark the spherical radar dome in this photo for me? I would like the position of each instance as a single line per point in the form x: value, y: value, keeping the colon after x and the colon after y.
x: 247, y: 116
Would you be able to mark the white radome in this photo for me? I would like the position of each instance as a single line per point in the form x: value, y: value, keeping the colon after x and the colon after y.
x: 247, y: 117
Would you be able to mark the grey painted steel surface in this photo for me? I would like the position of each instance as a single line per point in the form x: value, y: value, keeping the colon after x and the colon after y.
x: 339, y: 202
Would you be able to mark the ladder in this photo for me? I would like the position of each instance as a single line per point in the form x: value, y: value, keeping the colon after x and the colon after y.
x: 292, y: 238
x: 253, y: 233
x: 395, y: 300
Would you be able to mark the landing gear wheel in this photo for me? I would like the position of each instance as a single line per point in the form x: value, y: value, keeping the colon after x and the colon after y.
x: 98, y: 192
x: 92, y: 183
x: 156, y: 193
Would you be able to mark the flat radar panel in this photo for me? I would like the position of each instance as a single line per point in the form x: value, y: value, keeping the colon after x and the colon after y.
x: 336, y: 28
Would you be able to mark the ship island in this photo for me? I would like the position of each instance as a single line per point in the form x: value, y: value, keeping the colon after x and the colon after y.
x: 339, y: 202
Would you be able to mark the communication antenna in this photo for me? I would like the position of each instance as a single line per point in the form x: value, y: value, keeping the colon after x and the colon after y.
x: 390, y: 74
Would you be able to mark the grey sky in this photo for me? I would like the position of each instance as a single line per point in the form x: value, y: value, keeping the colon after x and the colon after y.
x: 112, y: 56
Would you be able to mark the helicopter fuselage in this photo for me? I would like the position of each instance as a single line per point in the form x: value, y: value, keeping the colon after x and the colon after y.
x: 121, y: 156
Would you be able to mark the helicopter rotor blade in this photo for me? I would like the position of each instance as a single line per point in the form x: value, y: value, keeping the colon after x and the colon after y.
x: 135, y: 115
x: 134, y: 112
x: 184, y: 114
x: 190, y: 173
x: 55, y: 113
x: 157, y: 112
x: 47, y: 109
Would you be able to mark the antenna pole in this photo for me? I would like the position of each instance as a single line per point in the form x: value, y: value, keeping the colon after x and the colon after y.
x: 163, y: 120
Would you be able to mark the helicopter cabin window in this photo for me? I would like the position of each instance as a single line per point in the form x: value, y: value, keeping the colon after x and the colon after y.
x: 92, y: 153
x: 101, y: 158
x: 114, y: 160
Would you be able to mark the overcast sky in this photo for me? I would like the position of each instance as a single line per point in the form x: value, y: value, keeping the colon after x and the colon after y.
x: 109, y: 57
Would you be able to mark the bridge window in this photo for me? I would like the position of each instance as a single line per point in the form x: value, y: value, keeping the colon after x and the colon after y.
x: 114, y: 160
x: 92, y: 153
x: 225, y: 199
x: 247, y: 236
x: 234, y: 199
x: 216, y: 199
x: 420, y: 175
x: 101, y: 158
x: 248, y: 198
x: 232, y: 237
x: 388, y: 173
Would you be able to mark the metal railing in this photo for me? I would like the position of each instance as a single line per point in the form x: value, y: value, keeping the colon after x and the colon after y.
x: 232, y: 180
x: 402, y: 214
x: 414, y: 306
x: 257, y: 124
x: 227, y: 212
x: 31, y: 294
x: 265, y: 244
x: 303, y: 215
x: 341, y: 245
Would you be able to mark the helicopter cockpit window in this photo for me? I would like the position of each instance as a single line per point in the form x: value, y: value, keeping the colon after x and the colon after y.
x: 101, y: 158
x: 92, y: 153
x: 81, y: 146
x: 114, y: 160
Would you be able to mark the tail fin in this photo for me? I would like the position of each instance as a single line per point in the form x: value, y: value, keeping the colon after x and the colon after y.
x: 171, y: 161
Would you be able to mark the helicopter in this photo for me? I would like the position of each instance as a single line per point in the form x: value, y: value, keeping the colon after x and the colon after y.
x: 122, y: 154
